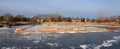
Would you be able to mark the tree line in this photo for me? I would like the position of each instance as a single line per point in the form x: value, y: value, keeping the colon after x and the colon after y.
x: 57, y: 18
x: 10, y: 18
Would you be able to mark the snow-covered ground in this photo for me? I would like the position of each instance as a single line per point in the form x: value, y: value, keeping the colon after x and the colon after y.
x: 41, y: 27
x: 88, y: 29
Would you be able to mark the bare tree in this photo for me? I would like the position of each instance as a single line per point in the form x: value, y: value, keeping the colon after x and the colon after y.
x: 8, y: 17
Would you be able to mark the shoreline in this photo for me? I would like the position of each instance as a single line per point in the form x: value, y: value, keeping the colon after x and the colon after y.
x: 63, y: 30
x: 71, y: 27
x: 81, y: 23
x: 9, y: 24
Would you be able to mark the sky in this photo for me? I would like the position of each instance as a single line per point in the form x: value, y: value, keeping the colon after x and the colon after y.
x: 68, y: 8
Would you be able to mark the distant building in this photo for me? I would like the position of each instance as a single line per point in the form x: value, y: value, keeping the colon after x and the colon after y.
x: 50, y: 17
x: 76, y: 20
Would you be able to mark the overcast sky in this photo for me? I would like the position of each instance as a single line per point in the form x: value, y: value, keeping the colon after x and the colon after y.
x: 72, y: 8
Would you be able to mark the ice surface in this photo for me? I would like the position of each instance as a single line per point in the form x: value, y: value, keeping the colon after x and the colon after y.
x: 59, y: 40
x: 108, y: 43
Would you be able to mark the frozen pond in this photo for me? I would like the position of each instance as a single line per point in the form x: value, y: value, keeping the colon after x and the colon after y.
x: 91, y: 40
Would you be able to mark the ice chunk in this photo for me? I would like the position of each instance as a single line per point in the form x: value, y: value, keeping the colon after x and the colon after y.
x: 106, y: 44
x: 111, y: 41
x: 36, y: 41
x: 50, y: 44
x: 98, y: 47
x: 85, y: 46
x: 116, y: 37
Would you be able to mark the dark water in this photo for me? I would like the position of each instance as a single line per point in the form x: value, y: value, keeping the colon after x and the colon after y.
x: 96, y: 40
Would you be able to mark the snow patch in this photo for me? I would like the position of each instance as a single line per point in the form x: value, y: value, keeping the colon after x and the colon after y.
x: 108, y: 43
